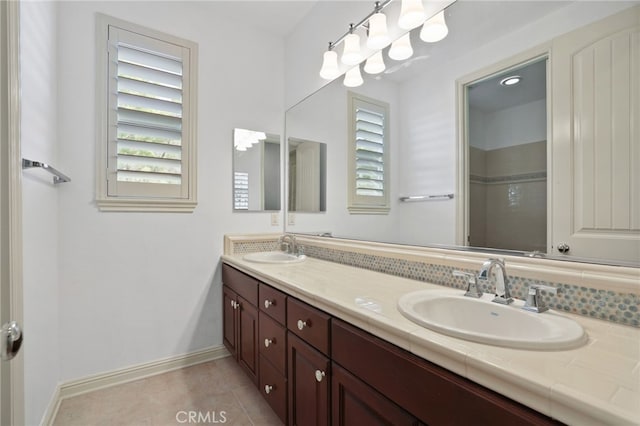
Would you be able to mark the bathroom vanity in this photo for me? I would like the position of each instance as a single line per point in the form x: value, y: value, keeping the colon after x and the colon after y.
x: 316, y: 368
x: 328, y: 342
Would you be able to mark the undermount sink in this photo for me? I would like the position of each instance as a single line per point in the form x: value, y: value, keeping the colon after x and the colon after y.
x: 480, y: 320
x: 273, y: 257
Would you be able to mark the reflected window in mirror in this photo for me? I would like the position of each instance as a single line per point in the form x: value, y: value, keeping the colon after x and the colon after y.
x: 256, y: 171
x: 368, y: 155
x: 307, y: 176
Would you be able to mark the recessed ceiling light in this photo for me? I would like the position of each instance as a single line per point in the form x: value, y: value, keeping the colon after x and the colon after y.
x: 511, y: 80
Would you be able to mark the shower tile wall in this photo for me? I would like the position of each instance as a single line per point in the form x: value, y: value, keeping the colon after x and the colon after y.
x: 508, y: 195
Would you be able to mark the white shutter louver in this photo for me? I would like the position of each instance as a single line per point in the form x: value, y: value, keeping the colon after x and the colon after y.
x: 147, y: 100
x: 241, y: 190
x: 369, y: 153
x: 368, y: 188
x: 149, y: 118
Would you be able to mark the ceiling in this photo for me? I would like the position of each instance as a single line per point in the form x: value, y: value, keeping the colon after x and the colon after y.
x: 489, y: 95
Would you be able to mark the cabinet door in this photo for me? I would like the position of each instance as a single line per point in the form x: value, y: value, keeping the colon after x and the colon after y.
x: 248, y: 338
x: 354, y: 403
x: 308, y: 384
x: 596, y: 139
x: 229, y: 333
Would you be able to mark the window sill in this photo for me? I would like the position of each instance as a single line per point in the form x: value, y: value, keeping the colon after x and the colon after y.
x: 368, y: 210
x: 145, y: 205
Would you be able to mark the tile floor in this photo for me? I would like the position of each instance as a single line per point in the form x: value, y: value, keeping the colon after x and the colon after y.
x: 218, y: 390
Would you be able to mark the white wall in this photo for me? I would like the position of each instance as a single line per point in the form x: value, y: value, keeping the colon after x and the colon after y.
x: 507, y: 127
x: 38, y: 60
x: 137, y: 287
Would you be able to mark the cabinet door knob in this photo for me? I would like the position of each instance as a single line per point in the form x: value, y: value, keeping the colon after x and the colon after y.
x: 563, y: 248
x: 268, y: 389
x: 267, y: 303
x: 301, y: 324
x: 267, y: 342
x: 234, y: 304
x: 319, y: 375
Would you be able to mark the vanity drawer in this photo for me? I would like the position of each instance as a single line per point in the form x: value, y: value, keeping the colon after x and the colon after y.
x: 272, y: 343
x: 273, y: 386
x: 241, y: 283
x: 272, y: 302
x: 309, y: 323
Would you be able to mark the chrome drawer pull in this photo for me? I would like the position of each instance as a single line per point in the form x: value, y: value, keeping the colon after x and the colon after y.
x: 267, y: 342
x: 319, y: 375
x: 268, y: 389
x: 267, y: 303
x: 301, y: 324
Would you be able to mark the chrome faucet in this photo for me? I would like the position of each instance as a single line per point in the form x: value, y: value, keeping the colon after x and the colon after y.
x: 487, y: 271
x: 289, y: 242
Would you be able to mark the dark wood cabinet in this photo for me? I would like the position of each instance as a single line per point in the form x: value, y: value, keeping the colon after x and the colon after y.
x: 240, y: 333
x: 355, y: 403
x: 314, y: 369
x: 431, y: 393
x: 309, y: 376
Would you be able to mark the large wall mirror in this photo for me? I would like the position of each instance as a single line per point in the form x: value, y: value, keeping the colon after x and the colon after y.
x: 450, y: 134
x: 256, y: 171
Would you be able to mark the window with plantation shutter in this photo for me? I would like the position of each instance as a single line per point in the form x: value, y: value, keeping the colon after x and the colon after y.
x: 148, y: 138
x: 368, y: 155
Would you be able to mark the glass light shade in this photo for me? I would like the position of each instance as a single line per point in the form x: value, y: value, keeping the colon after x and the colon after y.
x: 351, y: 54
x: 401, y: 48
x: 435, y: 29
x: 412, y: 14
x: 329, y: 69
x: 375, y: 64
x: 378, y: 34
x: 353, y: 78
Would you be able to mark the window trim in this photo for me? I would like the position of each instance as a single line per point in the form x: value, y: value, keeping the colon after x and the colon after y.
x: 363, y: 204
x: 104, y: 201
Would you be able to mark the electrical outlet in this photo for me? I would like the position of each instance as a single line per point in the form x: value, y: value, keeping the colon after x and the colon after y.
x: 291, y: 218
x: 275, y: 220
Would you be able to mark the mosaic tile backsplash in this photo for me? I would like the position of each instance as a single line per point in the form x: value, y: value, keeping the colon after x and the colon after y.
x: 606, y: 305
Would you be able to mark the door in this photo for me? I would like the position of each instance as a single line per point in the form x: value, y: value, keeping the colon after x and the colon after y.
x: 595, y: 77
x: 308, y: 384
x: 11, y: 380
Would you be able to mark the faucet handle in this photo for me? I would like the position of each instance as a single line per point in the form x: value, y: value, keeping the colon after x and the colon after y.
x: 472, y: 283
x: 534, y: 302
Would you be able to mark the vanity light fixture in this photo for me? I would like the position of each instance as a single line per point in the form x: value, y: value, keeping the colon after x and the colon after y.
x: 511, y: 80
x: 378, y: 37
x: 401, y: 48
x: 351, y: 55
x: 353, y: 78
x: 434, y: 29
x: 244, y: 139
x: 412, y: 14
x: 330, y: 69
x: 375, y: 64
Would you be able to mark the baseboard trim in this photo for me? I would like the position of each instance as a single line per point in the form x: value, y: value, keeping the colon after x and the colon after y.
x: 125, y: 375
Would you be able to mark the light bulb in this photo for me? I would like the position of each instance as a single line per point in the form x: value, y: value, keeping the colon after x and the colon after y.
x: 412, y: 14
x: 329, y: 69
x: 378, y: 34
x: 351, y: 54
x: 353, y: 78
x: 375, y: 64
x: 401, y: 48
x: 435, y: 29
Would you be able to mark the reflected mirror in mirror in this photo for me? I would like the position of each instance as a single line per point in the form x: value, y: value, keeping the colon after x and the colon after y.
x: 507, y: 156
x: 256, y: 171
x: 307, y: 184
x: 428, y: 159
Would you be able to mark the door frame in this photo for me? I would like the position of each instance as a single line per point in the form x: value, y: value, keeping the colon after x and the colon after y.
x: 11, y: 203
x: 542, y: 51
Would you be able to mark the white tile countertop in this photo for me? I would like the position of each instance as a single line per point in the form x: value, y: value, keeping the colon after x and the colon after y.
x: 596, y: 384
